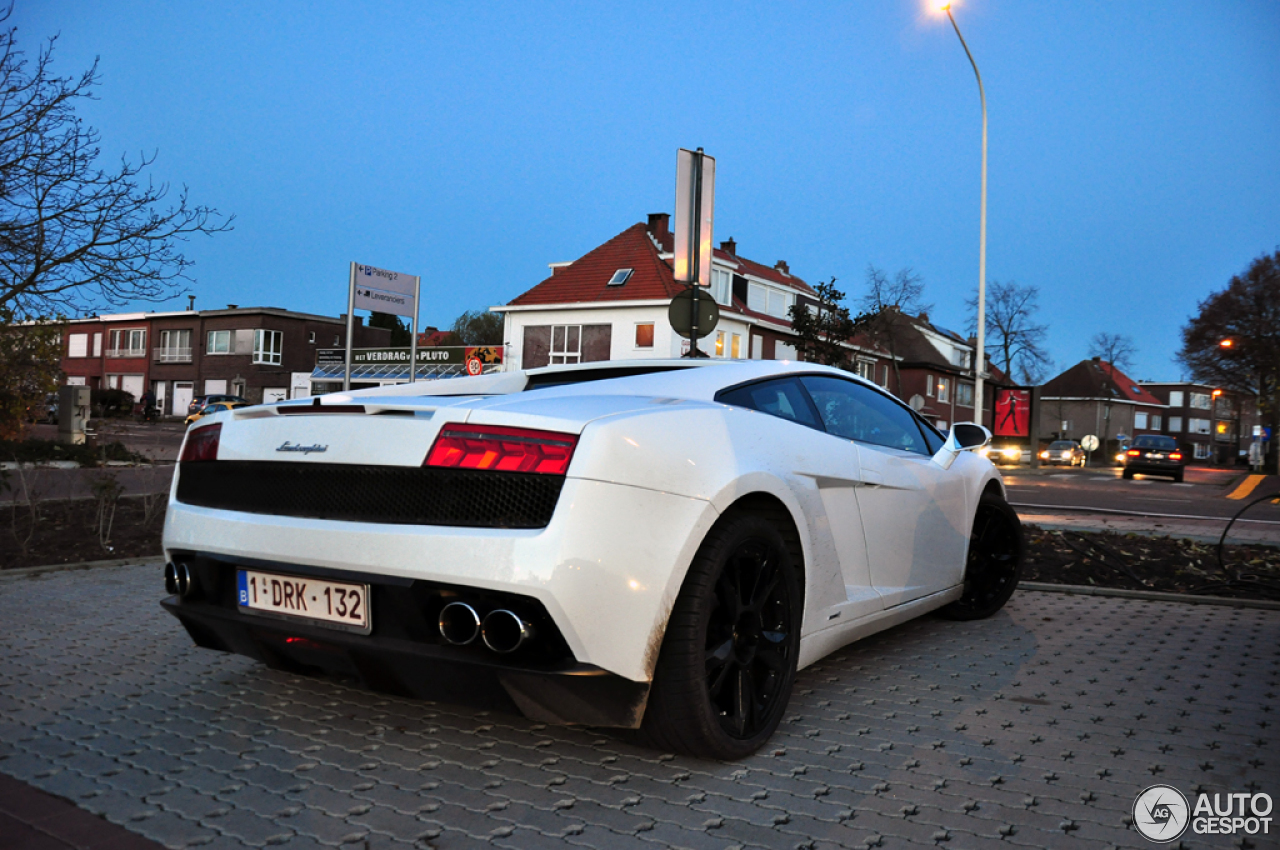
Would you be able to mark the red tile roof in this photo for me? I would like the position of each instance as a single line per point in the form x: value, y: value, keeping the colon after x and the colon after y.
x: 1097, y: 379
x: 586, y: 280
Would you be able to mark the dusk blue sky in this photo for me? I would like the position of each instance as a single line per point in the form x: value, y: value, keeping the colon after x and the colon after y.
x: 1134, y: 147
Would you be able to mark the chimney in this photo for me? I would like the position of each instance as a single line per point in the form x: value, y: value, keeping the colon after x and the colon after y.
x: 782, y: 266
x: 659, y: 225
x: 729, y: 246
x: 233, y: 306
x: 924, y: 317
x: 191, y: 303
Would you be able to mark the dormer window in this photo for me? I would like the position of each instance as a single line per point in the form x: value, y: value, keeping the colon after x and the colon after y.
x: 620, y: 277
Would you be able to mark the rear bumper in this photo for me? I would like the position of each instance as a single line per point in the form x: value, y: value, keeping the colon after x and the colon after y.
x: 405, y: 655
x: 603, y: 576
x: 1155, y: 467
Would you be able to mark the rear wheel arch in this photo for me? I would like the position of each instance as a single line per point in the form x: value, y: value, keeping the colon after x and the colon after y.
x: 770, y: 507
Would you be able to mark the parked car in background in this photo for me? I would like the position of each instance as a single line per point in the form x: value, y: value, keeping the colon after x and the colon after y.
x: 201, y: 400
x: 657, y: 545
x: 1152, y: 454
x: 1066, y: 452
x: 214, y: 407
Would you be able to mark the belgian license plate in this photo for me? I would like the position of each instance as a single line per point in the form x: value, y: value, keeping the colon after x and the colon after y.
x: 336, y: 604
x: 1156, y: 455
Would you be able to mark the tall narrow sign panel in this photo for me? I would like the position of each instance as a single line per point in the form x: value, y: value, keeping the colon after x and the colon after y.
x: 381, y: 291
x: 695, y: 210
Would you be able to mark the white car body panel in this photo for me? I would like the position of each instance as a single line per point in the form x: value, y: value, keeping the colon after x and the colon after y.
x: 883, y: 533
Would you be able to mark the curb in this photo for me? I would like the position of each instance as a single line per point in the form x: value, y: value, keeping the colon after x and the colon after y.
x: 78, y: 565
x: 1148, y: 595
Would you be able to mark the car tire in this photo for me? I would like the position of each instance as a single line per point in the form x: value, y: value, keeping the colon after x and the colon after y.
x: 728, y: 658
x: 1127, y: 475
x: 994, y: 563
x: 1177, y: 478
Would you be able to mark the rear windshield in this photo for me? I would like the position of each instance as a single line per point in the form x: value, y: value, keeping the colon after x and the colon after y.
x: 1152, y: 442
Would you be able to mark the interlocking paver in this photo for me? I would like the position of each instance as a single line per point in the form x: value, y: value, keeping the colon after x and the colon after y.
x: 1035, y: 728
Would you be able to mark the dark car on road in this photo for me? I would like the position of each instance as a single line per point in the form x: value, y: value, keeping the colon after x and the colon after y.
x: 201, y: 400
x: 1154, y: 455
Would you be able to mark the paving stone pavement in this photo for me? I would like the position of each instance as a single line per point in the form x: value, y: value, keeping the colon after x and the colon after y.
x: 1035, y: 728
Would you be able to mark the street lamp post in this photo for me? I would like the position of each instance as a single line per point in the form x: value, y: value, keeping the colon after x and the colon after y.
x: 980, y: 364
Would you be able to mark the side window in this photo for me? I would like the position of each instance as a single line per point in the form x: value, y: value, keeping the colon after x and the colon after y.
x: 782, y: 398
x: 932, y: 438
x: 857, y: 412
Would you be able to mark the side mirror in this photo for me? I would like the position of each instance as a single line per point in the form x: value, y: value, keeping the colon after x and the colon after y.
x: 964, y: 437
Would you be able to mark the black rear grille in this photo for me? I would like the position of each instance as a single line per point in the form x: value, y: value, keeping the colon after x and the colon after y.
x: 382, y: 494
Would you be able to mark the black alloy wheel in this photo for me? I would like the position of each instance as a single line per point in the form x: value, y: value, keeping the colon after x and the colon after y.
x: 995, y: 561
x: 728, y: 660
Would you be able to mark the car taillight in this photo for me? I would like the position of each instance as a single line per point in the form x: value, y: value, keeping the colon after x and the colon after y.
x: 1175, y: 456
x: 1133, y: 453
x: 202, y: 444
x: 502, y: 449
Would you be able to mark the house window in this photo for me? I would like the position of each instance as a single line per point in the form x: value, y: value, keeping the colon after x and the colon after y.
x: 128, y: 343
x: 78, y: 345
x: 218, y: 342
x: 97, y: 345
x: 175, y: 347
x: 719, y: 343
x: 1200, y: 401
x: 1175, y: 398
x: 337, y: 339
x: 620, y: 277
x: 1155, y: 421
x: 268, y: 347
x: 311, y: 337
x: 1199, y: 426
x: 764, y: 299
x: 866, y: 369
x: 1202, y: 451
x: 721, y: 286
x: 566, y: 344
x: 1175, y: 424
x: 964, y: 394
x: 1140, y: 420
x: 944, y: 390
x: 928, y: 385
x: 736, y: 350
x: 644, y: 335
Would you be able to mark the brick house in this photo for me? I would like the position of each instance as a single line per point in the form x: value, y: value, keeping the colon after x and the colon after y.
x: 935, y: 366
x: 1215, y: 424
x: 1094, y: 397
x: 612, y: 303
x: 262, y: 353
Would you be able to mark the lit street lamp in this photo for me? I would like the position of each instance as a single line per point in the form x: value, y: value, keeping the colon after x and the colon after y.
x: 980, y: 359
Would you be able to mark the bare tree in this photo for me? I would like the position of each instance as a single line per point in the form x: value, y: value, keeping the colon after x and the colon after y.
x: 1116, y: 349
x: 74, y: 234
x: 887, y: 305
x: 1011, y: 330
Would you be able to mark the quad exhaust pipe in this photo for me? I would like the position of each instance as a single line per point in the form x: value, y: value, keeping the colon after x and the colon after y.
x: 501, y: 630
x: 177, y: 579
